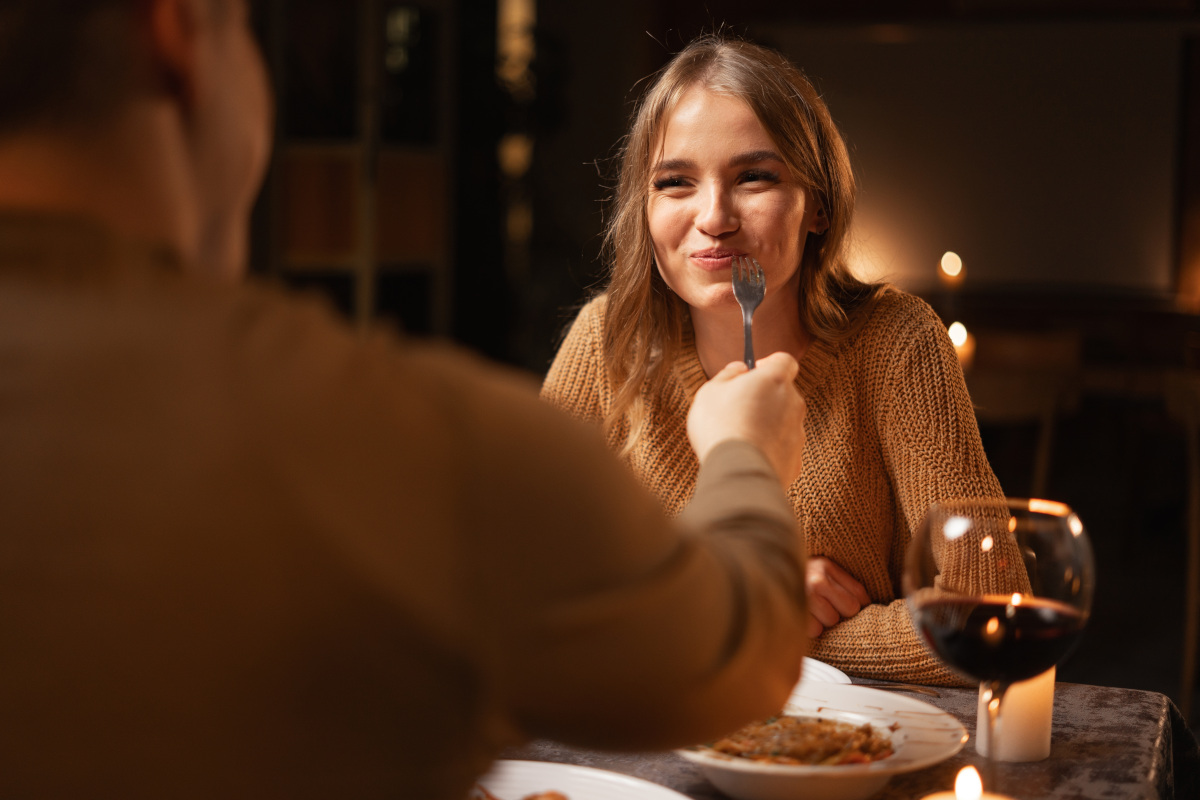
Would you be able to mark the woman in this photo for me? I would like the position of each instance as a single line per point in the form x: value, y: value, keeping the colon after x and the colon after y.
x: 731, y: 153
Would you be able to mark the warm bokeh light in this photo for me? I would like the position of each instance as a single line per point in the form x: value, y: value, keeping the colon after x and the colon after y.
x: 994, y: 631
x: 950, y: 271
x: 968, y: 785
x: 956, y: 527
x: 1050, y: 507
x: 515, y: 153
x: 987, y: 543
x: 516, y: 46
x: 958, y: 333
x: 964, y: 343
x: 951, y: 264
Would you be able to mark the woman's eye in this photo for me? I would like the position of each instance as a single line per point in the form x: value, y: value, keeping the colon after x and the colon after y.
x: 760, y: 175
x: 670, y: 181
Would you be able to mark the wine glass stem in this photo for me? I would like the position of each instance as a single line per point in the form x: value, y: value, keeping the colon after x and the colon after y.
x: 996, y: 691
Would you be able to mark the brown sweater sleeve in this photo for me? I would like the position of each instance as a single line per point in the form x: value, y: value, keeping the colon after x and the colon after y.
x: 928, y: 429
x: 932, y: 450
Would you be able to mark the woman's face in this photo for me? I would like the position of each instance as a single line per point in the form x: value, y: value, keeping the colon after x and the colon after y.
x: 719, y: 189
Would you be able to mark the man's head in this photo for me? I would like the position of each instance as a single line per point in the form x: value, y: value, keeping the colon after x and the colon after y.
x: 186, y: 74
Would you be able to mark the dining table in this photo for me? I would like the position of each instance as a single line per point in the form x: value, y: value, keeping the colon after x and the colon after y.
x: 1106, y: 744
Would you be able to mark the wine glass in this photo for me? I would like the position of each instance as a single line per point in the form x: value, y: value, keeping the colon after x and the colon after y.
x: 1000, y: 591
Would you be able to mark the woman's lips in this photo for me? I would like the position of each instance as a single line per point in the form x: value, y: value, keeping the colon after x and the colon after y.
x: 714, y: 259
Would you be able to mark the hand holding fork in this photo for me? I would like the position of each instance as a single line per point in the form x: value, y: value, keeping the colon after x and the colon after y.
x: 759, y: 406
x: 749, y: 286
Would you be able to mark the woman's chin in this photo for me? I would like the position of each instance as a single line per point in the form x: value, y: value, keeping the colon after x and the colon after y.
x: 717, y: 298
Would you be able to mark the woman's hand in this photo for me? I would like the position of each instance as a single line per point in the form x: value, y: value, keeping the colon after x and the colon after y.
x: 833, y: 595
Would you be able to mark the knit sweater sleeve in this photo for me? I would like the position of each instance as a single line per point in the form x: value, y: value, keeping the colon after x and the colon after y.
x: 928, y: 431
x: 931, y: 448
x: 576, y: 381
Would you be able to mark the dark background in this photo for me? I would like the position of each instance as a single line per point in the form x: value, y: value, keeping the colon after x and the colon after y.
x: 416, y: 185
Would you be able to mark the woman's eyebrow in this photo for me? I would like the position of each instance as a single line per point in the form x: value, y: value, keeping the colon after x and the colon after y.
x: 754, y: 157
x: 674, y: 164
x: 739, y: 160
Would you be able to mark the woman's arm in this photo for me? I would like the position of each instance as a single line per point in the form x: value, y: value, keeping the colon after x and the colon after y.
x: 930, y: 444
x: 927, y: 426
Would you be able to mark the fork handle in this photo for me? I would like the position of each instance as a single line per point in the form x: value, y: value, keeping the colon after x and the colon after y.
x: 748, y: 355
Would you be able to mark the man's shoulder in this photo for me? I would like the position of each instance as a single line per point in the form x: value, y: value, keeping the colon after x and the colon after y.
x: 292, y: 362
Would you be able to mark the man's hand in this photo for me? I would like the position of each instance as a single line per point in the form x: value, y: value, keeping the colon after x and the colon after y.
x: 833, y: 595
x: 761, y: 406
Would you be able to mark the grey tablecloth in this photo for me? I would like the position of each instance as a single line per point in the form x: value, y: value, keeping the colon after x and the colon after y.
x: 1106, y: 744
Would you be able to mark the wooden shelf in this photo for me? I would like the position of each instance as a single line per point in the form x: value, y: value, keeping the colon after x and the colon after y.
x: 350, y: 203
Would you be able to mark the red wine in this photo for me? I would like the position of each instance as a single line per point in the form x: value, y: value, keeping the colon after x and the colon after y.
x: 990, y: 638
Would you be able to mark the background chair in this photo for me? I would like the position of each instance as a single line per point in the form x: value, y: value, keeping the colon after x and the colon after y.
x: 1025, y: 378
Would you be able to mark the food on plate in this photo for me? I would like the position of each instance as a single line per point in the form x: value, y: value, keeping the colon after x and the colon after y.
x: 480, y: 792
x: 806, y: 740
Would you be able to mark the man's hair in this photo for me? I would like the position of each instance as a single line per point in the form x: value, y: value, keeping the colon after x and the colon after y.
x: 63, y: 61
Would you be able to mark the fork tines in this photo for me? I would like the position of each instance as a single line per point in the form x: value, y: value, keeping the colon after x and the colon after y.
x: 749, y: 286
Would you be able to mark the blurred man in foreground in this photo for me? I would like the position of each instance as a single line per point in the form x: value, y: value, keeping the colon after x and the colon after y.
x: 247, y: 554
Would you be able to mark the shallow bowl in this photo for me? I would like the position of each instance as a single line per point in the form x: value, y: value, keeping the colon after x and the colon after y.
x: 921, y: 734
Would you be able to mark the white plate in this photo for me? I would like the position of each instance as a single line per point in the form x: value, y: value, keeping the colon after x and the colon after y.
x: 820, y: 671
x: 921, y: 734
x: 513, y: 780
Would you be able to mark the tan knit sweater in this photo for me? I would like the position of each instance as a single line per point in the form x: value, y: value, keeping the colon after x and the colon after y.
x: 889, y: 430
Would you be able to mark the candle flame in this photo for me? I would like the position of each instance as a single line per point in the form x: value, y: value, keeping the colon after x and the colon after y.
x: 951, y: 264
x: 964, y: 343
x: 968, y: 786
x: 958, y: 333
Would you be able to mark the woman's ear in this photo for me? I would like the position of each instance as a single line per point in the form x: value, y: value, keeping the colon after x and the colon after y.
x: 174, y: 30
x: 820, y: 222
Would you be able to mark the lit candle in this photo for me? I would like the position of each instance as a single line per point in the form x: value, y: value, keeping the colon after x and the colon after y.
x: 950, y: 270
x: 967, y: 786
x: 1026, y: 717
x: 964, y: 343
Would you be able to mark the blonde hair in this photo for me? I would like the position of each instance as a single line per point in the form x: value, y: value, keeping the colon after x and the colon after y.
x: 643, y: 326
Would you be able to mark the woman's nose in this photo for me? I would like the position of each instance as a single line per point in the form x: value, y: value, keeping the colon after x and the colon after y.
x: 717, y: 214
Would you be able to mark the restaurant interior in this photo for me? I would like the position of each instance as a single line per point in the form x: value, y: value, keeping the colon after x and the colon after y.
x: 1029, y: 167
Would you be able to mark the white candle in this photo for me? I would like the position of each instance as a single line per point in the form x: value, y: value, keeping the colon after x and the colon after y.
x: 967, y: 786
x: 1026, y: 717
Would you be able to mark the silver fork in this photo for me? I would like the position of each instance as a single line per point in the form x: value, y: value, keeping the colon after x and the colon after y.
x: 749, y: 286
